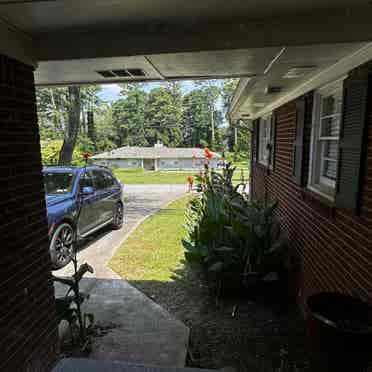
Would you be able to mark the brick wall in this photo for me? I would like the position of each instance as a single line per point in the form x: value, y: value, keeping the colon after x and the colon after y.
x: 334, y: 247
x: 28, y: 333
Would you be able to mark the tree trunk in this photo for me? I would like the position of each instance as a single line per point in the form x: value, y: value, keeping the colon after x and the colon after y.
x: 90, y: 127
x: 73, y: 125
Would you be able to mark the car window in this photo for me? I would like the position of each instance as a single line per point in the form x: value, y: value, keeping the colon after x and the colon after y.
x: 109, y: 179
x: 99, y: 180
x: 58, y: 182
x: 86, y: 180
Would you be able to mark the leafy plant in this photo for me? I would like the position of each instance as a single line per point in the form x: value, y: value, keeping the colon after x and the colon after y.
x: 229, y: 233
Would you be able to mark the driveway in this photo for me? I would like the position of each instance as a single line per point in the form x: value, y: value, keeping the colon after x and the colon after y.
x: 140, y: 201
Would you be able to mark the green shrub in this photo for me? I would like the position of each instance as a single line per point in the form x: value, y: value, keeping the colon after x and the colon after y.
x: 226, y: 231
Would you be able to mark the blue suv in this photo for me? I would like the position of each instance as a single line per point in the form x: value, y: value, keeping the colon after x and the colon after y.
x: 80, y: 200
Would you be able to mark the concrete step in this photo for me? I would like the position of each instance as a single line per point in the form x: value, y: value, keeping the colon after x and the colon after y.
x: 90, y: 365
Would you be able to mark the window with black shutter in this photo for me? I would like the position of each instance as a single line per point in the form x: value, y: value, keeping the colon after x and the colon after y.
x: 327, y: 115
x: 255, y: 136
x: 298, y: 145
x: 352, y: 144
x: 272, y: 141
x: 264, y: 137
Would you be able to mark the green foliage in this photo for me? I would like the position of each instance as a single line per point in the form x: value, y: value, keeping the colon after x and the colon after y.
x: 229, y: 233
x: 140, y: 117
x: 163, y: 115
x: 199, y: 106
x: 50, y: 151
x: 128, y: 117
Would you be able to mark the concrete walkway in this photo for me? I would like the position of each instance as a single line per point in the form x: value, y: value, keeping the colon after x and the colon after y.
x: 137, y: 329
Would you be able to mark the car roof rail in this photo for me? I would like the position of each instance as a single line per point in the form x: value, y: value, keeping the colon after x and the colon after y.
x: 100, y: 166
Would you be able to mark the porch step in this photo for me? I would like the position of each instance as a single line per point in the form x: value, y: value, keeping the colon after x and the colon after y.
x: 90, y: 365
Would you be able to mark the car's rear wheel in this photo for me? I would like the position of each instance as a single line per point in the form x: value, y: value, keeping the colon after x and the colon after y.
x: 118, y: 216
x: 62, y: 245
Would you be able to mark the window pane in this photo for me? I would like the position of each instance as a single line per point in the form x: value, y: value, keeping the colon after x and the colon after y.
x: 99, y: 180
x: 264, y: 140
x: 109, y: 179
x: 331, y: 104
x: 58, y: 183
x: 330, y: 126
x: 328, y: 113
x: 330, y: 149
x: 330, y: 169
x: 86, y: 180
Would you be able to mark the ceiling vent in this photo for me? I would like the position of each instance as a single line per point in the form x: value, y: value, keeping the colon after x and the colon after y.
x: 272, y: 89
x: 122, y: 73
x: 106, y: 74
x: 136, y: 72
x: 297, y: 72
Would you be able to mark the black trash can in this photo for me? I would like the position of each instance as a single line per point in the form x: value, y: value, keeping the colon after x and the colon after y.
x: 340, y: 333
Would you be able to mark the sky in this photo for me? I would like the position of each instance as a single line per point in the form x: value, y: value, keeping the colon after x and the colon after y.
x: 111, y: 92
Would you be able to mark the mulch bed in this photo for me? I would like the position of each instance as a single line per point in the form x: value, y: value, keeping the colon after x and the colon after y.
x: 251, y: 332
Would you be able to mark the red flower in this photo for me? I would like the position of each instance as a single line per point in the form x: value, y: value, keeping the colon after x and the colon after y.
x: 208, y: 154
x: 86, y: 155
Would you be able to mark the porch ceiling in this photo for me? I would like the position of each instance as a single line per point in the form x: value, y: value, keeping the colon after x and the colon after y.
x: 172, y: 39
x: 217, y: 64
x: 39, y: 16
x: 293, y: 68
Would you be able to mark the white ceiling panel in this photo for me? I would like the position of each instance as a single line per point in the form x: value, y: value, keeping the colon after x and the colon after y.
x: 241, y: 62
x: 85, y: 70
x: 313, y: 59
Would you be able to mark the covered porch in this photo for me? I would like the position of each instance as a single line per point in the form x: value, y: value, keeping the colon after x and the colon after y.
x: 64, y: 42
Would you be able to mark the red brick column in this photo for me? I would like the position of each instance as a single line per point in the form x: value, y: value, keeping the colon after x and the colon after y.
x: 28, y: 330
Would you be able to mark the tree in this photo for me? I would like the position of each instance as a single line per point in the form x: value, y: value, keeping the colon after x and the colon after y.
x: 213, y: 91
x: 128, y: 116
x: 238, y: 136
x: 105, y: 130
x: 164, y: 114
x: 138, y: 118
x: 198, y: 117
x: 51, y: 105
x: 90, y: 103
x: 62, y: 116
x: 73, y: 126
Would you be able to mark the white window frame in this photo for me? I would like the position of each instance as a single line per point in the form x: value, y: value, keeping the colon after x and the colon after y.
x: 317, y: 182
x: 263, y: 141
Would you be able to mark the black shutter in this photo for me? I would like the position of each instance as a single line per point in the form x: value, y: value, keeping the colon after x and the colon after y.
x: 255, y: 140
x: 298, y: 145
x: 272, y: 140
x: 352, y: 141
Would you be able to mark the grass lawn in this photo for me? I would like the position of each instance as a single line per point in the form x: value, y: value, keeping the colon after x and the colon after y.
x: 247, y: 335
x: 139, y: 176
x: 154, y: 250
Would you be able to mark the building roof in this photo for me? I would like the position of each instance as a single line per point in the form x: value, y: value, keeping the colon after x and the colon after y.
x: 135, y: 152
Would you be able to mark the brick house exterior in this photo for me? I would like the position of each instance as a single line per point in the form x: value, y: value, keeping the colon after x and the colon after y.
x: 28, y: 329
x: 331, y: 241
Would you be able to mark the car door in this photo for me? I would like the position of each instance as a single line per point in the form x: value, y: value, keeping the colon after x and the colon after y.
x: 113, y: 192
x: 103, y: 205
x: 88, y: 215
